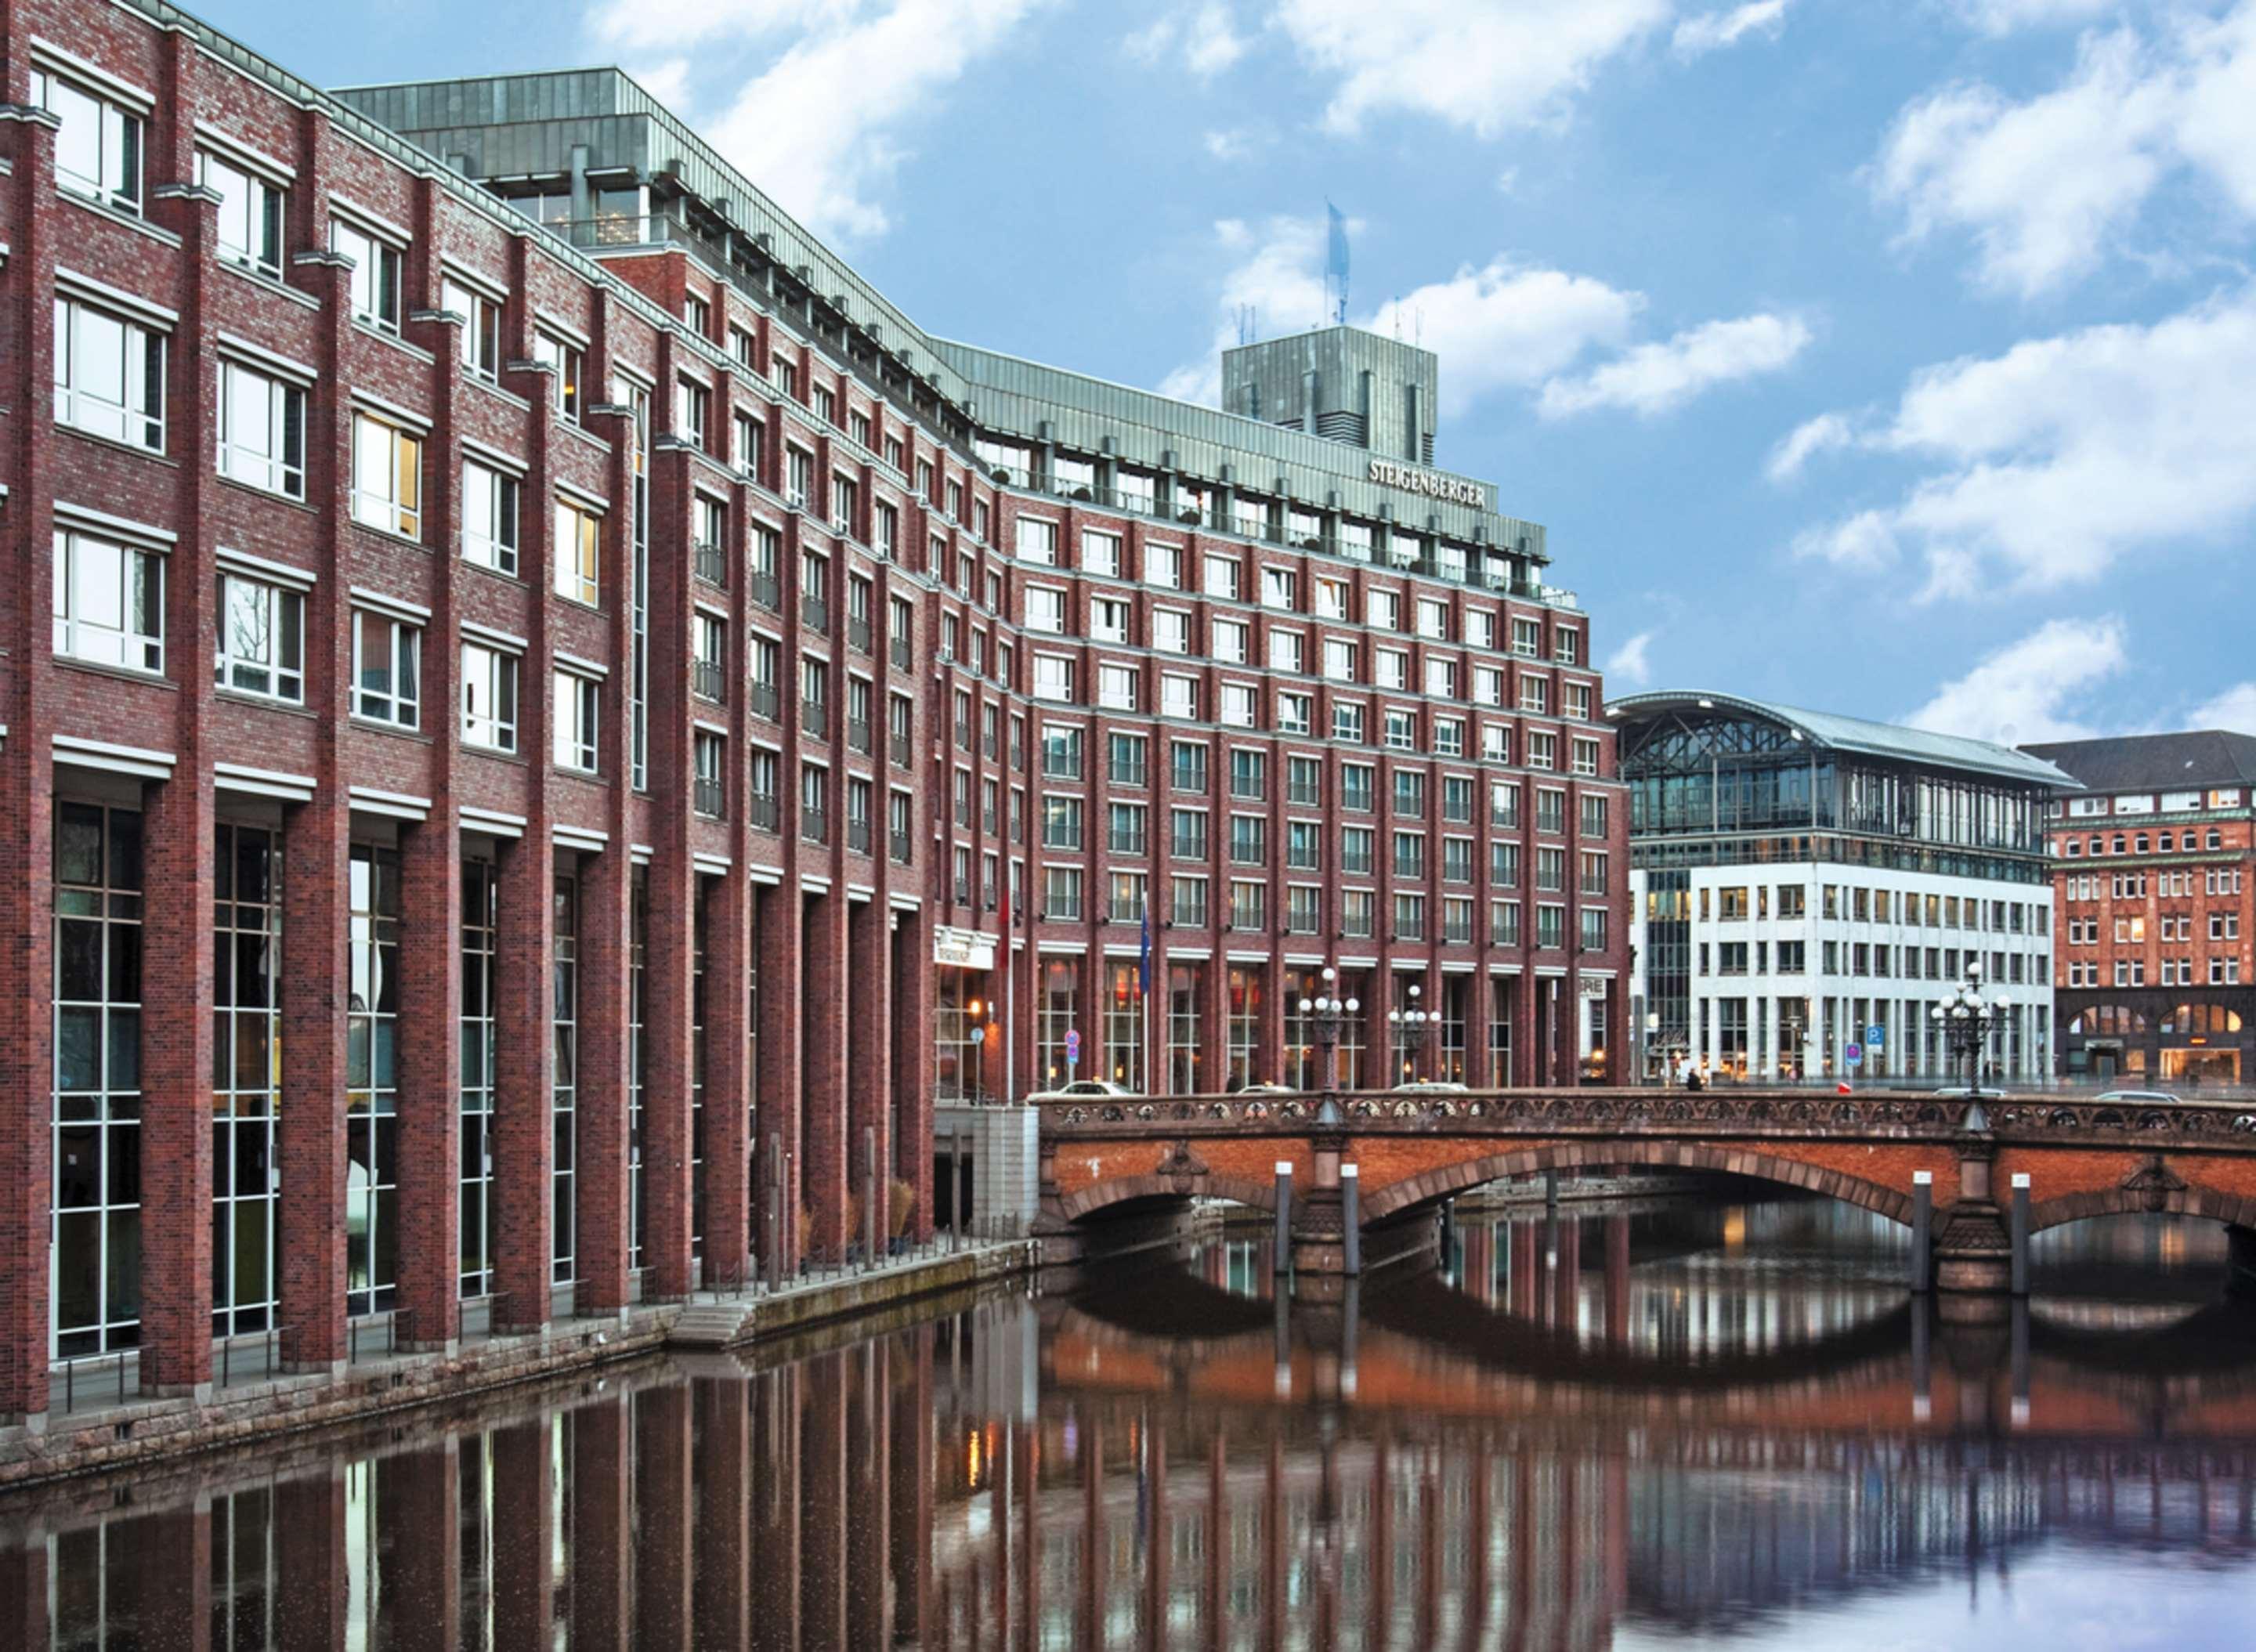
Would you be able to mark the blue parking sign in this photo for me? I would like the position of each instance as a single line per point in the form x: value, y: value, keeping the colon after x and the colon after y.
x: 1875, y: 1036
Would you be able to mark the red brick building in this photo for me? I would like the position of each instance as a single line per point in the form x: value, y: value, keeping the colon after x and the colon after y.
x: 2155, y: 886
x: 665, y: 719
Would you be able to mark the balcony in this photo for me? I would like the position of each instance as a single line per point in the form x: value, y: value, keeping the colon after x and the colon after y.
x: 708, y: 681
x: 764, y: 591
x: 963, y: 736
x: 710, y: 563
x: 858, y: 633
x: 898, y: 747
x: 1128, y: 775
x: 1306, y: 795
x: 705, y: 797
x: 814, y: 825
x: 899, y: 649
x: 988, y: 744
x: 814, y: 613
x: 764, y: 812
x: 812, y: 718
x: 857, y: 836
x: 900, y: 846
x: 763, y: 701
x: 857, y: 734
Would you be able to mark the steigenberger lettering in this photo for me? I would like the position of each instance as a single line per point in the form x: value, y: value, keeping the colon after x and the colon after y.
x: 1432, y: 484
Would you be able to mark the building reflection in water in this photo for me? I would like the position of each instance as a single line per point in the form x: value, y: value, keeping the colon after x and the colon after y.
x: 1681, y: 1421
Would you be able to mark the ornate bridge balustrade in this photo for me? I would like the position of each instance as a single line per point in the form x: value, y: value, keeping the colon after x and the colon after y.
x: 2083, y: 1157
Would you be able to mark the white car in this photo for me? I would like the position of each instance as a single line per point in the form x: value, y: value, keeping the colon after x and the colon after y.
x: 1430, y: 1087
x: 2143, y: 1098
x: 1084, y: 1089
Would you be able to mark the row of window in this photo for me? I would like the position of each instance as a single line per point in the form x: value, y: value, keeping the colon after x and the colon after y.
x: 1739, y: 903
x: 2168, y: 885
x: 1283, y: 587
x: 2137, y: 843
x: 2168, y: 973
x: 2170, y: 926
x: 1911, y: 963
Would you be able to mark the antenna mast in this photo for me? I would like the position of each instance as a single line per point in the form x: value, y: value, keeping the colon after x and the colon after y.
x: 1335, y: 265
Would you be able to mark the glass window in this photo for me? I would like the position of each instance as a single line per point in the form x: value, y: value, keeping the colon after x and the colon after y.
x: 387, y: 476
x: 490, y: 501
x: 576, y: 551
x: 489, y: 697
x: 109, y: 602
x: 374, y: 276
x: 573, y: 724
x: 98, y: 146
x: 387, y: 685
x: 481, y: 341
x: 109, y: 376
x: 261, y: 639
x: 249, y: 213
x: 571, y: 365
x: 262, y: 431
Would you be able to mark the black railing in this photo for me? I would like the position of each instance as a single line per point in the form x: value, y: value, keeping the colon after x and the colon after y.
x: 900, y: 649
x: 814, y: 825
x: 766, y: 591
x: 898, y: 747
x: 708, y: 681
x: 858, y: 632
x: 857, y: 734
x: 710, y: 564
x: 901, y: 844
x: 857, y: 836
x: 764, y: 811
x: 814, y: 613
x: 763, y: 701
x: 705, y: 796
x: 810, y: 718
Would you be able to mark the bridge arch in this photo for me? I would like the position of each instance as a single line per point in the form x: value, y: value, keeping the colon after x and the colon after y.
x: 2186, y: 1199
x: 1445, y: 1181
x: 1127, y: 1189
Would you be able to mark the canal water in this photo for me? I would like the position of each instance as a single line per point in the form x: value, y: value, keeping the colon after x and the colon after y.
x: 1634, y: 1425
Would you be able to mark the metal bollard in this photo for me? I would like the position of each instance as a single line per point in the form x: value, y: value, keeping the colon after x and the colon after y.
x: 1922, y: 1218
x: 1283, y: 1261
x: 2020, y: 1219
x: 1352, y: 1219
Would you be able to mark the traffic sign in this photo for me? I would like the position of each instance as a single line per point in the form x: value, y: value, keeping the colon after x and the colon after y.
x: 1875, y: 1036
x: 1073, y: 1047
x: 1854, y: 1054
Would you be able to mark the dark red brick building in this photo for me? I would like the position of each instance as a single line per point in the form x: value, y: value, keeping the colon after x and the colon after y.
x: 545, y: 721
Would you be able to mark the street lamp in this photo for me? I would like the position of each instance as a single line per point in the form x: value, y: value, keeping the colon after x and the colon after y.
x: 1966, y: 1018
x: 1324, y: 1013
x: 1412, y: 1027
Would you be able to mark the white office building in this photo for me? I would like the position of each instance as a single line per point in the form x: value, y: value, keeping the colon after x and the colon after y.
x: 1807, y: 888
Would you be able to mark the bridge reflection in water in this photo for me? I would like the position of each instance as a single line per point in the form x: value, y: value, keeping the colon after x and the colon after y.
x: 1578, y: 1433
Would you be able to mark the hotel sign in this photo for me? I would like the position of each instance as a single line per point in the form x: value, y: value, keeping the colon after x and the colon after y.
x: 1432, y: 484
x: 966, y: 948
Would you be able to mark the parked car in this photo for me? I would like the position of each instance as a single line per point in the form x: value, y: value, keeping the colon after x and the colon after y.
x: 1265, y: 1087
x: 1082, y: 1089
x: 1962, y: 1093
x: 2142, y: 1097
x: 1429, y: 1087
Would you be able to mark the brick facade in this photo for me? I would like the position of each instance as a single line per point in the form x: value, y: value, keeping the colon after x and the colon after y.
x: 764, y: 1076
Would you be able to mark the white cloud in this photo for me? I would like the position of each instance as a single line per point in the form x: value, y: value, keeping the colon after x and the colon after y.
x: 2234, y: 709
x: 1629, y: 664
x: 1235, y: 144
x: 667, y: 79
x: 819, y: 126
x: 2048, y: 186
x: 1486, y: 65
x: 1808, y: 440
x: 1711, y: 30
x: 1503, y: 325
x: 2002, y: 17
x: 2025, y: 691
x: 1205, y: 37
x: 2050, y: 462
x: 1651, y: 379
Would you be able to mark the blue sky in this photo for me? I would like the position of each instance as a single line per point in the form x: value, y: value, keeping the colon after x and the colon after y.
x: 1891, y: 356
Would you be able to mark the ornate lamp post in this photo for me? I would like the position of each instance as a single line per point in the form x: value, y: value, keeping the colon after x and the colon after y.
x: 1412, y: 1027
x: 1324, y: 1013
x: 1966, y: 1018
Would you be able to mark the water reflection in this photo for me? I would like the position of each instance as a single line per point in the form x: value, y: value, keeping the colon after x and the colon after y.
x: 1595, y: 1430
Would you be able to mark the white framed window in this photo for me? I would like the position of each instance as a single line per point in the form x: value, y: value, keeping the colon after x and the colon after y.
x: 1390, y: 669
x: 1347, y: 722
x: 1178, y: 696
x: 693, y: 406
x: 1045, y: 609
x: 1100, y: 552
x: 489, y: 517
x: 99, y: 144
x: 262, y: 431
x: 1442, y: 679
x: 262, y: 640
x: 489, y: 697
x: 1542, y: 751
x: 1280, y: 587
x: 387, y: 669
x: 1534, y: 694
x: 571, y: 364
x: 576, y: 551
x: 1449, y: 736
x: 1583, y: 757
x: 576, y: 706
x: 1239, y: 701
x: 1108, y: 619
x: 1163, y: 567
x: 1339, y: 660
x: 1401, y: 730
x: 1432, y: 619
x: 109, y: 602
x: 1221, y: 577
x: 1116, y: 687
x: 1230, y: 641
x: 1285, y: 651
x: 251, y: 211
x: 1171, y: 632
x: 1480, y: 628
x: 1331, y: 599
x: 387, y: 489
x: 1577, y: 703
x: 1295, y: 711
x: 1052, y: 677
x: 1383, y: 610
x: 480, y: 347
x: 375, y: 275
x: 110, y: 375
x: 1488, y: 686
x: 1037, y: 540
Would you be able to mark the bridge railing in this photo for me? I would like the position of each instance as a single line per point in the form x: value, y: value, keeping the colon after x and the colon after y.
x: 2031, y: 1114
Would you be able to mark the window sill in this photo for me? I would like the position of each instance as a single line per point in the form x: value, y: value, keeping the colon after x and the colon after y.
x: 491, y: 572
x: 258, y: 492
x: 127, y: 673
x: 118, y: 215
x: 269, y: 282
x: 114, y: 444
x: 491, y: 383
x: 400, y: 730
x: 471, y: 748
x: 391, y: 535
x: 264, y: 702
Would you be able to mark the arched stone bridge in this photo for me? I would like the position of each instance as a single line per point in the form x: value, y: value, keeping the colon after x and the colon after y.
x: 2083, y: 1157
